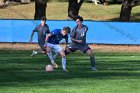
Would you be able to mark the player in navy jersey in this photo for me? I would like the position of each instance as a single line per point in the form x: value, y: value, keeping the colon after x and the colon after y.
x: 78, y: 38
x: 52, y: 43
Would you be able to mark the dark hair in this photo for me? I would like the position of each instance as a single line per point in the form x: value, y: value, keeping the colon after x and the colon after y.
x: 43, y: 19
x: 79, y: 17
x: 67, y: 29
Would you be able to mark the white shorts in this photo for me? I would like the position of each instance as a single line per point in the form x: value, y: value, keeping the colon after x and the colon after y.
x: 56, y: 48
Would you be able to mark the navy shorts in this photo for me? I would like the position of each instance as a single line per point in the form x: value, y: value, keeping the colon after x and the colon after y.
x: 82, y: 48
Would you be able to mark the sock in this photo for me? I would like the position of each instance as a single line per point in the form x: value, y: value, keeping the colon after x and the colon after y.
x: 64, y: 63
x: 50, y: 57
x: 92, y: 61
x: 56, y: 55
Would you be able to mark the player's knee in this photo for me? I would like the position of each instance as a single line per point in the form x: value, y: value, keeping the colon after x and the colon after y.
x: 48, y: 49
x: 63, y: 55
x: 90, y: 53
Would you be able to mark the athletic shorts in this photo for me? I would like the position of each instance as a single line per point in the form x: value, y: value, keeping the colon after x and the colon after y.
x: 82, y: 48
x: 55, y: 47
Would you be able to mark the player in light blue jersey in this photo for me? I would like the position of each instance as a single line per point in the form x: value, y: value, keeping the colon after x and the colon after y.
x: 52, y: 43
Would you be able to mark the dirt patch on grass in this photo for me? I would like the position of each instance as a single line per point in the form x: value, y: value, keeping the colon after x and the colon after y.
x: 99, y: 48
x: 116, y: 48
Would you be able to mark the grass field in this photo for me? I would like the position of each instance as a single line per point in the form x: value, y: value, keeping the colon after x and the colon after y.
x: 54, y: 12
x: 117, y: 73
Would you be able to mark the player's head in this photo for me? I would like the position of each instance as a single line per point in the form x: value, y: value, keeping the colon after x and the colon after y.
x: 78, y: 20
x: 66, y: 30
x: 43, y: 21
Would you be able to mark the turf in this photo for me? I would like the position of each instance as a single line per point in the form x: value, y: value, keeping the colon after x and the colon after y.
x: 117, y: 73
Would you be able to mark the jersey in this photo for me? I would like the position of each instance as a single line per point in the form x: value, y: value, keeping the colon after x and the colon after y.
x: 56, y: 36
x: 42, y: 31
x: 79, y: 34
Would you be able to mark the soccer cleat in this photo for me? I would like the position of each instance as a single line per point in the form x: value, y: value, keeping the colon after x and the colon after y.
x: 93, y: 68
x: 33, y: 53
x: 55, y: 65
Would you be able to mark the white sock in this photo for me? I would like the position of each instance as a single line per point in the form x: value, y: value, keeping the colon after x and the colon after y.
x: 64, y: 63
x: 51, y: 57
x: 56, y: 55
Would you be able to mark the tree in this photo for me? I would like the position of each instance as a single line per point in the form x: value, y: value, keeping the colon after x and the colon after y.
x: 74, y: 7
x: 40, y: 9
x: 126, y: 10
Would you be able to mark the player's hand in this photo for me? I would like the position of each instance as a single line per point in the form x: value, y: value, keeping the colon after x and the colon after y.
x: 79, y: 41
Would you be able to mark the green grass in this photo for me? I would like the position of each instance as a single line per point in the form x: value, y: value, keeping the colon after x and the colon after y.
x: 117, y: 73
x: 58, y: 11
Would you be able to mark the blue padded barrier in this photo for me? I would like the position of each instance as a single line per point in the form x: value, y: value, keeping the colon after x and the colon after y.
x: 99, y: 32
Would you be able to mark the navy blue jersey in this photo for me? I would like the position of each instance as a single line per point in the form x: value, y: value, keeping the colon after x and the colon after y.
x: 56, y: 36
x: 42, y: 31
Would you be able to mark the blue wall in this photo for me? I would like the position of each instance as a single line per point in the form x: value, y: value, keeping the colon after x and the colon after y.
x: 99, y: 32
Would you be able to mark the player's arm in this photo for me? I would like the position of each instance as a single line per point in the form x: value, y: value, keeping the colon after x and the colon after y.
x: 66, y: 39
x: 73, y: 35
x: 32, y: 34
x: 31, y: 38
x: 74, y: 40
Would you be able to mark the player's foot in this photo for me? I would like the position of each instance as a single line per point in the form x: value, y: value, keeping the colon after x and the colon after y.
x: 93, y: 69
x: 33, y: 53
x: 55, y: 65
x: 65, y: 70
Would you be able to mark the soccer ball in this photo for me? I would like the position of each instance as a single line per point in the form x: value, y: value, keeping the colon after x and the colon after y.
x: 49, y: 68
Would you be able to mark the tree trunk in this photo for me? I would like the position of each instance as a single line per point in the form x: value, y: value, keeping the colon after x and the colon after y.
x: 40, y: 9
x: 73, y: 8
x: 126, y: 10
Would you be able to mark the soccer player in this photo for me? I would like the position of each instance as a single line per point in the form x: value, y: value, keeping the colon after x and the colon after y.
x: 42, y: 29
x: 78, y: 38
x: 52, y: 43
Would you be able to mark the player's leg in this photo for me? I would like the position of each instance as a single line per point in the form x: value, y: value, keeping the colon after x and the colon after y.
x: 92, y: 59
x: 63, y: 60
x: 59, y: 49
x: 86, y: 49
x: 49, y: 53
x: 56, y: 55
x: 70, y: 48
x: 39, y: 51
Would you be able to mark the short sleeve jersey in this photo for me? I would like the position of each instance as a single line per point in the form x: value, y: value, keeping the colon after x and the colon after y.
x: 79, y: 34
x: 42, y: 31
x: 56, y: 36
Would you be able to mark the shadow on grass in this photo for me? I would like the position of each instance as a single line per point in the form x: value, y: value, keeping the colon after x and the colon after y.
x: 17, y: 69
